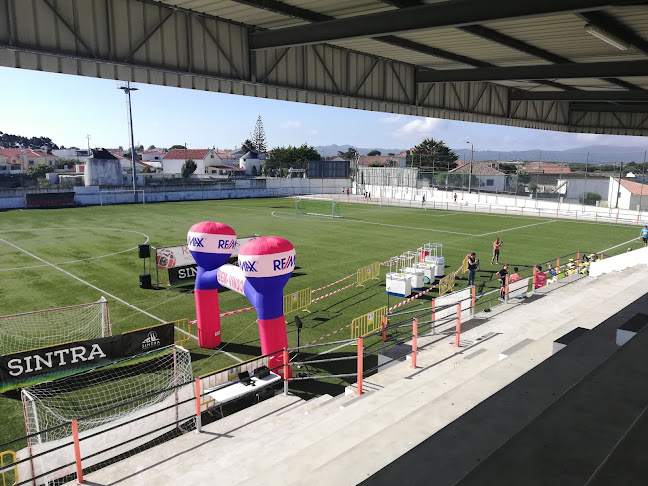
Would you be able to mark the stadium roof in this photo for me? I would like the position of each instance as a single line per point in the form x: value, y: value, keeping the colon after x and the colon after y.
x: 573, y: 65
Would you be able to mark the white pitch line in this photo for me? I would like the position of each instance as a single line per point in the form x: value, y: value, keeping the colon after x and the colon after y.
x: 422, y: 229
x: 336, y: 348
x: 381, y: 224
x: 620, y: 244
x: 103, y: 291
x: 82, y: 259
x: 517, y: 228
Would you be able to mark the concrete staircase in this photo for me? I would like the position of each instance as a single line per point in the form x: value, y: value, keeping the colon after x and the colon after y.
x: 345, y: 439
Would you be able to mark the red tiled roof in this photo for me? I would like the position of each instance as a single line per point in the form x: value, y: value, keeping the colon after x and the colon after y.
x: 29, y: 153
x: 478, y: 168
x: 153, y: 152
x: 223, y: 154
x: 635, y: 188
x: 182, y: 154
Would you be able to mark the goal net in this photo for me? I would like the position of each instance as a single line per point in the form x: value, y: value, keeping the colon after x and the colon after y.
x: 49, y: 327
x: 317, y: 207
x: 120, y: 408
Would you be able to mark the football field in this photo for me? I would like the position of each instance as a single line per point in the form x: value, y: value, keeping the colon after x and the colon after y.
x: 62, y: 257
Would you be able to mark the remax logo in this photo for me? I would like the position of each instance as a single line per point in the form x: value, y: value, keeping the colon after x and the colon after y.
x: 284, y: 263
x: 226, y: 244
x: 248, y: 266
x: 196, y: 242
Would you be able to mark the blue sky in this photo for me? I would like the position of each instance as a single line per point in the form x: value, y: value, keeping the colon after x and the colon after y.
x: 67, y: 108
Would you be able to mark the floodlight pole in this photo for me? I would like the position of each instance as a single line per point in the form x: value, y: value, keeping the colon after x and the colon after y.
x: 472, y: 151
x: 127, y: 90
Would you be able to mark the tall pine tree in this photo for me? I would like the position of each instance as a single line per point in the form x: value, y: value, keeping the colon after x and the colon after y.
x: 258, y: 136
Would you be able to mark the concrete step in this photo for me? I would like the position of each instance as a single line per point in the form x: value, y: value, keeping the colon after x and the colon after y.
x: 162, y: 457
x: 377, y: 414
x: 384, y: 433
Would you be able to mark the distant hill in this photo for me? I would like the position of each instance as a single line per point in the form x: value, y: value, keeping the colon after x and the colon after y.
x: 598, y: 154
x: 331, y: 150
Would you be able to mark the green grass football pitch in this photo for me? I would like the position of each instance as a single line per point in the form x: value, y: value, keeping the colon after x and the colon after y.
x: 54, y: 258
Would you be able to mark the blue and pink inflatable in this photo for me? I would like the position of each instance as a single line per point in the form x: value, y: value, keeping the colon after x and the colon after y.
x: 265, y: 265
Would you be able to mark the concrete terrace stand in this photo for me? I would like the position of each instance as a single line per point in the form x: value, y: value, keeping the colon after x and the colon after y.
x: 463, y: 416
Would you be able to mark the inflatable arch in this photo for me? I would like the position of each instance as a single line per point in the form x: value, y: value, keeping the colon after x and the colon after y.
x: 265, y: 265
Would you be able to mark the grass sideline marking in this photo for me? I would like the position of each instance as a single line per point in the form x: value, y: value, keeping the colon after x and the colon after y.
x: 103, y: 291
x: 82, y: 259
x: 275, y: 214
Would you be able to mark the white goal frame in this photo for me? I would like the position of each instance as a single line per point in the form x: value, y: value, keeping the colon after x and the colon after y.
x: 23, y: 322
x: 334, y: 206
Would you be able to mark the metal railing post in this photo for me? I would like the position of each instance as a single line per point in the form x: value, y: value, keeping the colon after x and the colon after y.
x: 458, y: 328
x: 472, y: 301
x: 414, y: 341
x: 433, y: 315
x: 198, y: 412
x: 384, y: 326
x: 506, y: 289
x: 535, y: 270
x: 286, y: 368
x: 360, y: 366
x: 557, y: 266
x: 77, y: 451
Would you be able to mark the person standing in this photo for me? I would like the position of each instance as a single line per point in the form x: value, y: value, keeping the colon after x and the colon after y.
x: 496, y: 250
x: 501, y: 276
x: 455, y: 198
x: 473, y: 263
x: 423, y: 204
x: 644, y: 235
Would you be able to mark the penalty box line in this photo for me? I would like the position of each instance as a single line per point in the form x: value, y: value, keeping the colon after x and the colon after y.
x: 104, y: 292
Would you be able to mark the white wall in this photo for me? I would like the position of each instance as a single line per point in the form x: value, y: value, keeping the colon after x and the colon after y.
x: 576, y: 188
x: 619, y: 262
x: 499, y: 183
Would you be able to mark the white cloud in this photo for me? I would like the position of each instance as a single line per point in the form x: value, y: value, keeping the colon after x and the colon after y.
x: 419, y: 127
x: 391, y: 119
x: 290, y: 124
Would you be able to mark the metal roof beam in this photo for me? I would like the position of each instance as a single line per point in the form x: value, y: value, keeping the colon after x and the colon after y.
x: 424, y: 17
x: 609, y: 108
x: 511, y: 42
x: 555, y: 71
x: 616, y: 28
x: 591, y: 96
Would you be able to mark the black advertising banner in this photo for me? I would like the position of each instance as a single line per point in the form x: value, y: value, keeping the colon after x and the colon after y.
x: 145, y: 340
x: 29, y: 367
x: 182, y: 275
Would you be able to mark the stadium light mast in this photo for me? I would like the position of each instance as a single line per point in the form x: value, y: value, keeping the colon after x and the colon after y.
x: 472, y: 151
x: 127, y: 90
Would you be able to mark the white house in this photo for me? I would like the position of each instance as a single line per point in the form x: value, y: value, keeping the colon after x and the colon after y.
x: 207, y: 161
x: 153, y: 157
x: 627, y: 194
x: 490, y: 179
x: 251, y: 162
x: 21, y: 159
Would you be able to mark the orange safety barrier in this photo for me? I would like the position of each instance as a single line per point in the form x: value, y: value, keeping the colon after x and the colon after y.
x: 77, y: 451
x: 414, y: 341
x: 458, y: 329
x: 360, y: 366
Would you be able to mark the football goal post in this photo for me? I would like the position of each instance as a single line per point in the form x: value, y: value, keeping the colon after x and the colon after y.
x: 120, y: 408
x: 49, y: 327
x: 317, y: 207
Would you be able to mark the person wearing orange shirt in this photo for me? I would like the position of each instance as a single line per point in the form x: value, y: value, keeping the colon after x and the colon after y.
x: 496, y: 250
x: 515, y: 276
